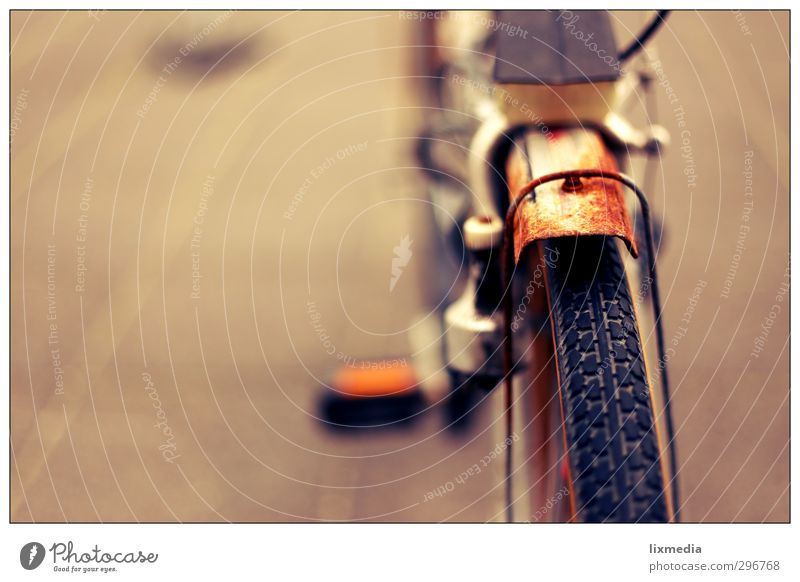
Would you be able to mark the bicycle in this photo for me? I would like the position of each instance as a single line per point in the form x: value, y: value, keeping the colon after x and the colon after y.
x: 547, y: 200
x: 532, y: 108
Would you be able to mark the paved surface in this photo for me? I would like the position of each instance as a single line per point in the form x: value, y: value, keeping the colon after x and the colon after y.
x: 191, y: 242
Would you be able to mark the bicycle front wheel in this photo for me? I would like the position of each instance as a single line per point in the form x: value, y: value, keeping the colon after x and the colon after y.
x: 616, y: 471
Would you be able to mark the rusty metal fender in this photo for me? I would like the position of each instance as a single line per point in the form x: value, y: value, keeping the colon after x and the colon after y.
x: 593, y: 206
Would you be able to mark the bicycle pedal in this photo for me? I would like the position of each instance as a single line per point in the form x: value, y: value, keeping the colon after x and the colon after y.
x: 372, y: 394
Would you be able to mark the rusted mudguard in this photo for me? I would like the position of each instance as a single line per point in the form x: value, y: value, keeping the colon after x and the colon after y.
x: 596, y: 207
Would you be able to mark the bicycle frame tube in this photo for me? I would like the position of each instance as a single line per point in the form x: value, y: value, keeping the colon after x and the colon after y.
x: 593, y: 206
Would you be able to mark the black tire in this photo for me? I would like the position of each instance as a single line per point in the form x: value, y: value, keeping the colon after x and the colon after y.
x: 610, y: 437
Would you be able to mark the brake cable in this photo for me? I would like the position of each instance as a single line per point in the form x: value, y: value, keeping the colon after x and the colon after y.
x: 638, y: 43
x: 508, y: 266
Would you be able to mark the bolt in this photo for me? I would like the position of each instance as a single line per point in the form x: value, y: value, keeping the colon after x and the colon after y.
x: 572, y: 184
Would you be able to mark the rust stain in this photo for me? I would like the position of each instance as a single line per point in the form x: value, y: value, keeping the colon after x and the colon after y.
x: 597, y: 208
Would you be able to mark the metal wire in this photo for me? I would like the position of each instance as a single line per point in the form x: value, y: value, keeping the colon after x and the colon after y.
x: 638, y: 43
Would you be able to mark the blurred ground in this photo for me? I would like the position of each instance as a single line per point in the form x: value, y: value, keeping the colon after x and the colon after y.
x: 175, y: 224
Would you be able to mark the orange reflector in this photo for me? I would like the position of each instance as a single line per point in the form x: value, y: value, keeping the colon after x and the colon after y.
x: 377, y: 378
